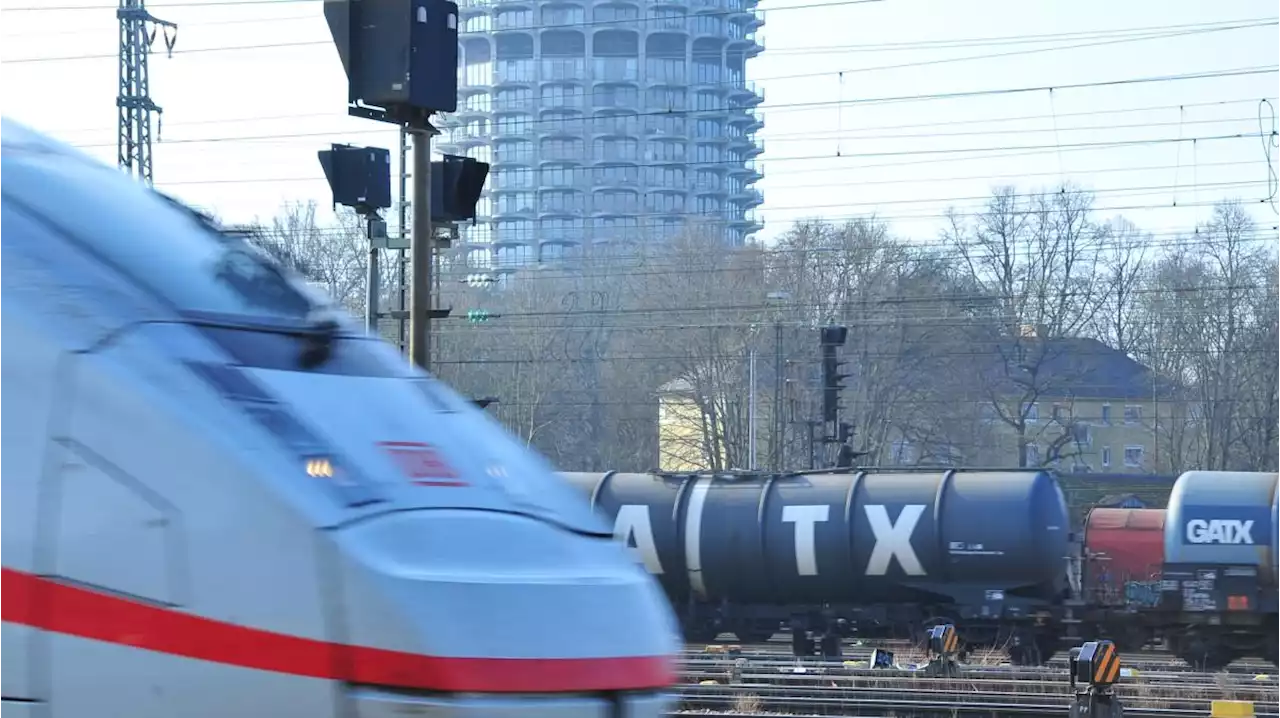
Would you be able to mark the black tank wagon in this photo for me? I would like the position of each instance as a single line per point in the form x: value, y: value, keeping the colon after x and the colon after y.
x: 883, y: 549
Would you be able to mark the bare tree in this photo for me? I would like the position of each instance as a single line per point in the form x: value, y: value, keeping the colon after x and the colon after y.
x: 1033, y: 260
x: 331, y: 257
x: 1121, y: 273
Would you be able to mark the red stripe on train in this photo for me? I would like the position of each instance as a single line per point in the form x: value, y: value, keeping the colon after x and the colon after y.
x: 47, y: 604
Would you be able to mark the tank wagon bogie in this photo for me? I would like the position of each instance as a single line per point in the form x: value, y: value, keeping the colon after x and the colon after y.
x: 881, y: 549
x: 222, y: 498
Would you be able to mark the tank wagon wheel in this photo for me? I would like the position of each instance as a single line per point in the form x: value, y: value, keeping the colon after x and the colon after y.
x: 753, y: 635
x: 699, y: 631
x: 1132, y: 639
x: 1032, y: 649
x: 1200, y: 653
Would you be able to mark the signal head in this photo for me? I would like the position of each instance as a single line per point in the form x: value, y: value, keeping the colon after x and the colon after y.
x: 1097, y: 665
x: 944, y: 641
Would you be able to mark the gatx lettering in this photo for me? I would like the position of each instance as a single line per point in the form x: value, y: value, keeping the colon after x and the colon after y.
x: 805, y: 518
x: 1221, y: 531
x: 634, y: 529
x: 893, y: 539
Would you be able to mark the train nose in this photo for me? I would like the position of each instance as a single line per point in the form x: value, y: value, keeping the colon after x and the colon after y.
x: 485, y: 602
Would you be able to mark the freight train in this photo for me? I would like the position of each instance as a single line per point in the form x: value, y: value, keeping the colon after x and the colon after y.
x: 222, y: 499
x: 892, y: 552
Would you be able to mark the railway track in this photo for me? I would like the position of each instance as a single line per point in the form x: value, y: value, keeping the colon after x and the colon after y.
x: 921, y: 709
x: 755, y: 684
x: 906, y: 696
x: 905, y: 651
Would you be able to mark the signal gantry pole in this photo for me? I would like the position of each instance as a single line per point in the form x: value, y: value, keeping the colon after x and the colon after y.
x: 133, y: 103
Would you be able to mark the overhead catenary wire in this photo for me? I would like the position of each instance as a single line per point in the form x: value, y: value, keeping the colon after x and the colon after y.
x: 840, y: 73
x: 854, y: 132
x: 287, y: 140
x: 622, y: 268
x: 890, y: 153
x: 1056, y: 147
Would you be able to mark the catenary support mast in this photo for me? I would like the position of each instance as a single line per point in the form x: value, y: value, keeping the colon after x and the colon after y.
x: 133, y: 103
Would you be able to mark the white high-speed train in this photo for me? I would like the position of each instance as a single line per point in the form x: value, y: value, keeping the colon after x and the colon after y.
x: 221, y: 500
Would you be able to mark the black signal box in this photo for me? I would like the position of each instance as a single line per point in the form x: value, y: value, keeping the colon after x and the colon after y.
x: 360, y: 177
x: 400, y: 56
x: 456, y: 184
x: 833, y: 336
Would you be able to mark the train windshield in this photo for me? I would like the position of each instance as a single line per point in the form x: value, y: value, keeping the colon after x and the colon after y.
x: 157, y: 243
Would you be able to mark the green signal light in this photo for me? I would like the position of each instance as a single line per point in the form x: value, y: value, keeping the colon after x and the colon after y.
x: 475, y: 316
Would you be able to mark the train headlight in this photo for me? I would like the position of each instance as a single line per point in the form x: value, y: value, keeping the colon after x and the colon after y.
x: 320, y: 467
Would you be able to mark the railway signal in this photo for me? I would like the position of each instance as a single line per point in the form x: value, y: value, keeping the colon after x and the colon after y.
x: 832, y: 380
x: 401, y: 62
x: 477, y: 316
x: 1094, y: 671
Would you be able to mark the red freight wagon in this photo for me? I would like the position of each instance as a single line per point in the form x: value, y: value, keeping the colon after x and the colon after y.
x: 1125, y: 548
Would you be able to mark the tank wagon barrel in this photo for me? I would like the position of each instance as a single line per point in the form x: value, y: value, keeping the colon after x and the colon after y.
x: 1219, y: 575
x: 872, y: 536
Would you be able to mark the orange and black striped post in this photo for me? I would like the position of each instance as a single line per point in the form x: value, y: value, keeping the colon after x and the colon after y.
x: 1095, y: 669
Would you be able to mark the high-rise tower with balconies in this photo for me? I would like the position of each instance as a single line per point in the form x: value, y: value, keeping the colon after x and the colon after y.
x: 605, y: 120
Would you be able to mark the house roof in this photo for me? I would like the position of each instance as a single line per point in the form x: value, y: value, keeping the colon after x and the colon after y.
x: 1079, y: 368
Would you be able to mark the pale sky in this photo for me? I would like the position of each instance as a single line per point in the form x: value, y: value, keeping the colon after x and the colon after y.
x: 830, y: 151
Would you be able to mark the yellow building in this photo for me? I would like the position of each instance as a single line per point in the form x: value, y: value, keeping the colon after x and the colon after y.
x: 683, y: 439
x: 1072, y: 404
x: 1078, y: 406
x: 1102, y: 434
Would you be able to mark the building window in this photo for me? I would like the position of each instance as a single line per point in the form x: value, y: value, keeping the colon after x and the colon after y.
x: 1033, y: 454
x: 610, y: 13
x: 1133, y: 456
x: 1033, y: 413
x: 563, y: 16
x: 1082, y: 434
x: 1106, y: 414
x: 515, y: 256
x: 1106, y: 456
x: 1132, y: 414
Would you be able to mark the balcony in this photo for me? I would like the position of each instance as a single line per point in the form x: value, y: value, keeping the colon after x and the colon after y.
x: 465, y: 136
x: 745, y: 95
x: 746, y: 122
x: 665, y: 72
x: 749, y: 220
x: 476, y: 24
x: 505, y: 21
x: 724, y: 6
x: 573, y: 69
x: 615, y: 69
x: 705, y: 73
x: 576, y: 127
x: 562, y: 154
x: 474, y: 106
x: 658, y: 24
x: 514, y: 72
x: 748, y: 168
x: 522, y: 212
x: 747, y: 197
x: 511, y: 130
